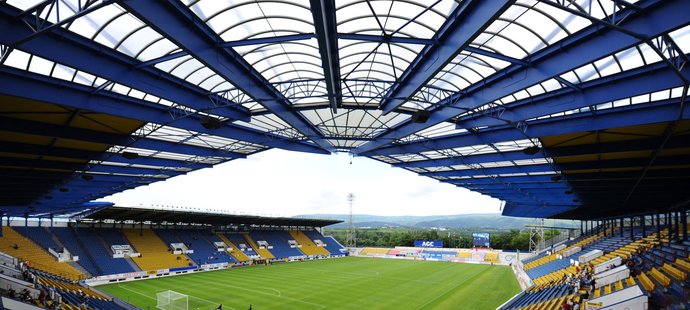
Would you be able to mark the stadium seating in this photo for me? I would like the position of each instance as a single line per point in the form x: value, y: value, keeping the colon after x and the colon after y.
x: 70, y: 240
x: 40, y: 236
x: 308, y: 246
x: 37, y: 257
x: 660, y: 267
x: 101, y: 253
x: 278, y: 240
x: 204, y: 251
x: 264, y: 253
x: 71, y: 297
x: 236, y: 253
x: 155, y: 254
x: 374, y: 251
x: 331, y: 245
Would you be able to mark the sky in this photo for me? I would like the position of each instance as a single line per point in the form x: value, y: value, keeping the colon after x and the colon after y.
x: 284, y: 183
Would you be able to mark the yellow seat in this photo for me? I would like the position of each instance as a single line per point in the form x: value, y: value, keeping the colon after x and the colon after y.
x: 155, y: 254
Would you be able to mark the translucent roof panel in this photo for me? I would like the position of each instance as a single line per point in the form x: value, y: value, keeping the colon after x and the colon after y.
x: 352, y: 123
x: 240, y: 20
x: 193, y: 71
x: 375, y: 61
x: 413, y: 18
x: 466, y: 69
x: 270, y: 123
x: 439, y: 130
x: 527, y: 27
x: 286, y: 61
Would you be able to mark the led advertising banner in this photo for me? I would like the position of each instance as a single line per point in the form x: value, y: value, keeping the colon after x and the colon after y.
x: 481, y: 240
x: 428, y: 243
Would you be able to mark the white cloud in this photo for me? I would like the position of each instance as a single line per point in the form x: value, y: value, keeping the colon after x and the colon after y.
x: 278, y: 182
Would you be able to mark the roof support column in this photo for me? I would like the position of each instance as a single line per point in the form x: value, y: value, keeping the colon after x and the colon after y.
x: 622, y: 220
x: 632, y: 228
x: 684, y: 219
x: 658, y: 224
x: 643, y: 224
x: 677, y: 230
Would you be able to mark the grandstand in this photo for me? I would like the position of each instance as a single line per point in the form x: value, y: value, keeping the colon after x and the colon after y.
x: 561, y: 109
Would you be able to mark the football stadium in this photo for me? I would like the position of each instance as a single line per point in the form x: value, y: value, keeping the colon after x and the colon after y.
x: 561, y: 109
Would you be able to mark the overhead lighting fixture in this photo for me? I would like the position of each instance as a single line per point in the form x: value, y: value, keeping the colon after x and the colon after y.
x: 210, y: 122
x: 531, y: 150
x: 420, y: 116
x: 130, y: 155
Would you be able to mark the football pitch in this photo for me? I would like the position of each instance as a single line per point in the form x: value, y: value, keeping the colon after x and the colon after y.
x: 344, y: 283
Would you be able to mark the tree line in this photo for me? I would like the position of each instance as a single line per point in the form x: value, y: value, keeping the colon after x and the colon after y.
x: 512, y: 239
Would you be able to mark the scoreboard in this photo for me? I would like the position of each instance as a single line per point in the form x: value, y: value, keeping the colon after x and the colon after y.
x: 481, y: 240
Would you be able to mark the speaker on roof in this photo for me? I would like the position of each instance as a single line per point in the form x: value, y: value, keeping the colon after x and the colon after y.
x: 556, y: 178
x: 64, y: 189
x: 130, y: 155
x: 210, y: 122
x: 87, y: 177
x: 421, y: 116
x: 531, y: 150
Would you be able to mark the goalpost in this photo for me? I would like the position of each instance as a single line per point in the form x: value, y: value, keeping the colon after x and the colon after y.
x: 171, y: 300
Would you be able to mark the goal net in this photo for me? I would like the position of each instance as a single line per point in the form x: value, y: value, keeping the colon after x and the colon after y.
x: 171, y: 300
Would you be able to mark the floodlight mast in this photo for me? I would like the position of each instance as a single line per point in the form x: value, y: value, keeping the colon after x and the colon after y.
x: 351, y: 233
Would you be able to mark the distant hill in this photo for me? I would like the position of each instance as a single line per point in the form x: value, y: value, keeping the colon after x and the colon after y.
x: 488, y: 220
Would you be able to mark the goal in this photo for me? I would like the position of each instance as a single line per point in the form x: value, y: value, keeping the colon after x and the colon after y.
x: 171, y: 300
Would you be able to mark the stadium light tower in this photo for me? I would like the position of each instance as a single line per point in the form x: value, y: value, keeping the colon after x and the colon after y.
x: 351, y: 234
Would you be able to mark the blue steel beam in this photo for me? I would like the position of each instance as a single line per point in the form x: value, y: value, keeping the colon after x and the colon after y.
x: 553, y: 152
x: 72, y: 166
x: 45, y: 129
x: 533, y: 210
x: 326, y: 25
x: 33, y: 86
x: 68, y: 48
x: 583, y: 47
x: 181, y: 26
x: 463, y: 25
x: 512, y: 180
x: 421, y: 41
x: 490, y: 171
x: 385, y: 39
x: 605, y: 119
x: 54, y: 151
x: 269, y: 40
x: 668, y: 162
x: 627, y: 84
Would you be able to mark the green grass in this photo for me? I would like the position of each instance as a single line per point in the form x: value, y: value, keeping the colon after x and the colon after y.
x: 347, y: 283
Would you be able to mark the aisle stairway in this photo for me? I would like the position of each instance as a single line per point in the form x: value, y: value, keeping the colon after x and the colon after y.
x: 265, y: 253
x: 236, y: 252
x: 155, y: 253
x: 308, y: 246
x: 38, y: 257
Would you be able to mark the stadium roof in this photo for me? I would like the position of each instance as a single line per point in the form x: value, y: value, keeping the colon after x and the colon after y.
x: 139, y: 215
x: 570, y: 109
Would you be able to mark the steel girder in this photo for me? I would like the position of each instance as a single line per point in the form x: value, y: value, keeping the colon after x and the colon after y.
x: 463, y: 25
x: 41, y: 88
x: 326, y: 26
x: 175, y: 21
x: 38, y: 128
x: 627, y: 84
x: 663, y: 111
x: 583, y: 47
x: 55, y: 151
x: 68, y: 48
